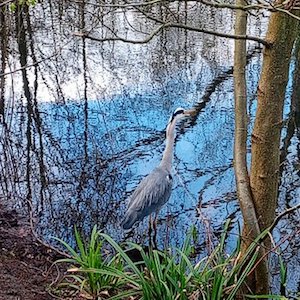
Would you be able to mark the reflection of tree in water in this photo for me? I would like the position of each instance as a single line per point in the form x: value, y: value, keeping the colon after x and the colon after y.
x: 74, y: 159
x: 290, y: 180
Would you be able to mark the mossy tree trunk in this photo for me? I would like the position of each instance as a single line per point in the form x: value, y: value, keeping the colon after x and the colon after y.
x: 265, y: 162
x: 265, y: 138
x: 258, y: 195
x: 241, y: 124
x: 251, y: 226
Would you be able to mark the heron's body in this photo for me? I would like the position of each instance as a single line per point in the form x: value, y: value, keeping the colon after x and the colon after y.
x: 155, y: 189
x: 149, y: 196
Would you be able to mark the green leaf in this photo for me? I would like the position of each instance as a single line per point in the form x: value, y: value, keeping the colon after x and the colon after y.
x: 270, y: 297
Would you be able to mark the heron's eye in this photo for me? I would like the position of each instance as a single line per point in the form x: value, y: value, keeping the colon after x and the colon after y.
x: 169, y: 177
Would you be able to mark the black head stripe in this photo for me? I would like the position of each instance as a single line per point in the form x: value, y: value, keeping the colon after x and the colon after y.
x: 178, y: 112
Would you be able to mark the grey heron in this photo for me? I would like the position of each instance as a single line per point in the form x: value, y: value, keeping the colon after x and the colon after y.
x: 155, y: 189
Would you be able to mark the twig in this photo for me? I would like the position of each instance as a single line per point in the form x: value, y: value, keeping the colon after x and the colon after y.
x: 5, y: 2
x: 281, y: 215
x: 205, y: 2
x: 204, y: 220
x: 270, y: 228
x: 32, y: 227
x: 275, y: 222
x: 121, y: 39
x: 127, y: 5
x: 288, y: 13
x: 48, y: 245
x: 234, y: 6
x: 56, y: 53
x: 275, y: 247
x: 220, y: 34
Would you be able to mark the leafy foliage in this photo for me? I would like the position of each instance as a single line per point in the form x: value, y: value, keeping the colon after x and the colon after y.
x: 13, y: 5
x: 165, y: 275
x: 90, y: 257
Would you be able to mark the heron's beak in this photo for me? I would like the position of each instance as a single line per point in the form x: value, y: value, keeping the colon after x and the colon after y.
x: 190, y: 112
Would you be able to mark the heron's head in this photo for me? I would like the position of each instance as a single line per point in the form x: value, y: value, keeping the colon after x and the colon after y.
x: 180, y: 113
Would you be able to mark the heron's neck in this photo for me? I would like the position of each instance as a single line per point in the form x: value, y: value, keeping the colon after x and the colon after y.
x: 167, y: 158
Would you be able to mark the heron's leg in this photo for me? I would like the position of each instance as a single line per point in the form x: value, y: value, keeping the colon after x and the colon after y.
x: 150, y: 230
x: 155, y: 222
x: 155, y: 230
x: 166, y: 241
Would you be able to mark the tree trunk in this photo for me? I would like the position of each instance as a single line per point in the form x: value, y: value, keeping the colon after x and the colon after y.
x: 251, y: 227
x: 295, y: 101
x: 241, y: 124
x: 265, y: 162
x: 3, y: 34
x: 268, y: 122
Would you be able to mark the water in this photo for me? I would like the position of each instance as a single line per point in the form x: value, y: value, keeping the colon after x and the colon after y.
x: 86, y: 124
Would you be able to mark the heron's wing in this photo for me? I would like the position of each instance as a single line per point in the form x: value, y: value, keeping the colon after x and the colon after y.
x: 152, y: 192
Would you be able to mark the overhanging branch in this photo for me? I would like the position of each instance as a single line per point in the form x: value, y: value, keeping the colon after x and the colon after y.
x: 235, y: 6
x: 174, y: 25
x: 214, y: 4
x: 121, y: 39
x: 220, y: 34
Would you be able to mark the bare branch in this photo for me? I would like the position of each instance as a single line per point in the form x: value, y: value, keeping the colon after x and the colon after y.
x: 5, y: 2
x: 121, y: 39
x: 281, y: 215
x: 288, y: 13
x: 174, y: 25
x: 275, y: 247
x: 264, y: 6
x: 269, y: 7
x: 270, y: 228
x: 220, y: 34
x: 267, y: 234
x: 56, y: 53
x: 205, y: 2
x: 36, y: 236
x: 127, y: 5
x: 273, y: 225
x: 235, y: 6
x: 27, y: 66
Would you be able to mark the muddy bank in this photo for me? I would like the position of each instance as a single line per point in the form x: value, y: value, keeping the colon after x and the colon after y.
x: 26, y: 266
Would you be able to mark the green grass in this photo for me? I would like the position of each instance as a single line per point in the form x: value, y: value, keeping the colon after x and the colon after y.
x: 90, y: 257
x: 165, y: 275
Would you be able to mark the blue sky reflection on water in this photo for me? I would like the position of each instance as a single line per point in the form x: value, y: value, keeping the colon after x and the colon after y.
x: 126, y: 133
x: 124, y: 142
x: 104, y: 109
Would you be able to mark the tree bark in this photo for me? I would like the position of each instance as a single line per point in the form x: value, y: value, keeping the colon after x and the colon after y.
x: 241, y: 124
x: 3, y: 34
x: 295, y: 101
x: 251, y: 227
x: 266, y: 134
x: 268, y: 122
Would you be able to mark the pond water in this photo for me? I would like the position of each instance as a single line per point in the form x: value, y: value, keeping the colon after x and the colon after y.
x: 86, y: 122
